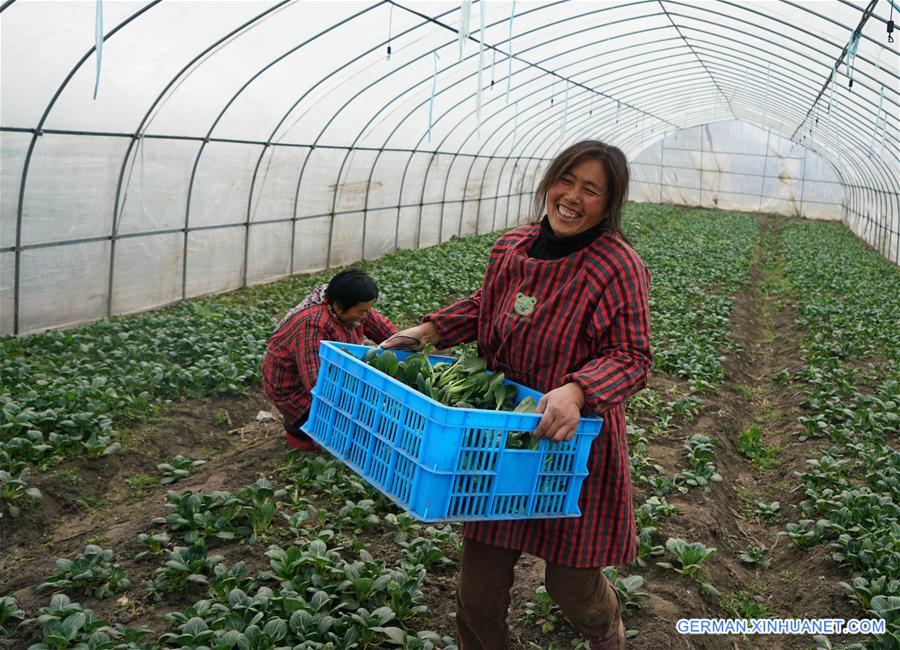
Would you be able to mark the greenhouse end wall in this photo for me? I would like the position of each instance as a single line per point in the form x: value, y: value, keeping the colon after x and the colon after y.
x: 733, y: 165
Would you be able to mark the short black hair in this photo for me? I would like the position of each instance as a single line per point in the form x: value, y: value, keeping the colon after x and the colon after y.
x: 351, y: 287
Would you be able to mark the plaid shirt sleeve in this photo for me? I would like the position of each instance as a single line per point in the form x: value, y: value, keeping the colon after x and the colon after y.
x: 457, y: 323
x: 306, y: 356
x: 623, y: 356
x: 378, y: 327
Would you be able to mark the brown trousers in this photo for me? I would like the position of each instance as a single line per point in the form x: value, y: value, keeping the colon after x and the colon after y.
x: 482, y: 597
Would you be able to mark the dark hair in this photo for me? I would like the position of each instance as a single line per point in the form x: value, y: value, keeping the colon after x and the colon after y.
x: 351, y: 287
x: 617, y: 176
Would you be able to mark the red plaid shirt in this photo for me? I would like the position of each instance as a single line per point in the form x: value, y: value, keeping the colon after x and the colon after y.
x: 544, y: 323
x: 291, y: 363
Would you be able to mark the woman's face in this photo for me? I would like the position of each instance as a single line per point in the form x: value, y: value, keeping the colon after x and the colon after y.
x: 353, y: 316
x: 577, y: 201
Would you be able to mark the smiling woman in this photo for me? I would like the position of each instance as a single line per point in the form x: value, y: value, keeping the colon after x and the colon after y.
x: 584, y: 187
x: 563, y: 309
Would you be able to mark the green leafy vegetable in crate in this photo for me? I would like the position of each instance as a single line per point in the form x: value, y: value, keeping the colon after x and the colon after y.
x: 464, y: 383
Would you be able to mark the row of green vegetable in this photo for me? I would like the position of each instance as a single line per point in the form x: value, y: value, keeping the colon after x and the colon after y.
x: 689, y: 333
x: 848, y: 304
x: 62, y: 393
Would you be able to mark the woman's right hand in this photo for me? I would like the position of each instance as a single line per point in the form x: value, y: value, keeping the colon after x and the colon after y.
x: 425, y: 333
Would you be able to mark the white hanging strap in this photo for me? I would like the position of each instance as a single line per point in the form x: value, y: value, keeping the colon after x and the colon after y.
x: 465, y: 13
x: 562, y: 130
x: 878, y: 122
x: 480, y: 68
x: 433, y: 90
x: 98, y: 37
x: 766, y: 99
x: 512, y: 14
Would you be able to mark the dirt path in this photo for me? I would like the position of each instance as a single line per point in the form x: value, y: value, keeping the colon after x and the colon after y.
x: 754, y: 398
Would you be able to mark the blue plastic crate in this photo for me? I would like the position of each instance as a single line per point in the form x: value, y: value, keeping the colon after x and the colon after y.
x: 439, y: 462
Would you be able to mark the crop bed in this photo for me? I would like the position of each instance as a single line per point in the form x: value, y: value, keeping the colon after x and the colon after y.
x: 148, y: 501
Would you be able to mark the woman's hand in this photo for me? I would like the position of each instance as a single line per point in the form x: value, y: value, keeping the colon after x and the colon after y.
x: 562, y: 410
x: 424, y: 334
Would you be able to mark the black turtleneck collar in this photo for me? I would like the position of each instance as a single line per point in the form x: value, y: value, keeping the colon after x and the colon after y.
x: 549, y: 246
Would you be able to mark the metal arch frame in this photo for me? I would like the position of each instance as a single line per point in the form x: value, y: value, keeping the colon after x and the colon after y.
x: 515, y: 116
x: 524, y: 111
x: 850, y: 125
x: 866, y: 105
x: 824, y: 136
x: 375, y: 115
x: 426, y: 19
x: 465, y: 117
x: 727, y: 74
x: 265, y: 147
x: 620, y: 102
x: 117, y: 210
x: 710, y: 43
x: 792, y: 26
x: 862, y: 73
x: 576, y: 109
x: 866, y: 166
x: 38, y: 130
x: 582, y: 85
x: 636, y: 135
x: 691, y: 50
x: 720, y: 55
x: 867, y: 12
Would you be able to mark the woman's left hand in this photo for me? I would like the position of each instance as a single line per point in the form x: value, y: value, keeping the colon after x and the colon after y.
x: 562, y: 410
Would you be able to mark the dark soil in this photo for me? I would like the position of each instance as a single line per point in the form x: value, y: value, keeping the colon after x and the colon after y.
x: 100, y: 501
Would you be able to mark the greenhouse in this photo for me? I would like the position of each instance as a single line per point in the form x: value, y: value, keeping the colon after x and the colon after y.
x: 178, y: 178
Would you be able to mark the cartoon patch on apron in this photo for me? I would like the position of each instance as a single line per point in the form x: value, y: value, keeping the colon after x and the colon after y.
x: 524, y: 304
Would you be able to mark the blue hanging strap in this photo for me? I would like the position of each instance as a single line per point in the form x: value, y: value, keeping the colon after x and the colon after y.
x: 433, y: 89
x: 878, y: 123
x: 98, y: 37
x: 512, y: 14
x: 465, y: 13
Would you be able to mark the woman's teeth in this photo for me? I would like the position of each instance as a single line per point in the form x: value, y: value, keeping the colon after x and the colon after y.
x: 566, y: 213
